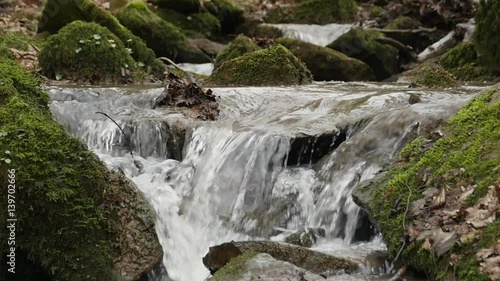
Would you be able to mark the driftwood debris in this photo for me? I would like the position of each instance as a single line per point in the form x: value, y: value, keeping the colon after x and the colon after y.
x: 180, y: 94
x: 406, y: 31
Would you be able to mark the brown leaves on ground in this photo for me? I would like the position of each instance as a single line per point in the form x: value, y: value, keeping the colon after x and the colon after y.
x: 442, y: 219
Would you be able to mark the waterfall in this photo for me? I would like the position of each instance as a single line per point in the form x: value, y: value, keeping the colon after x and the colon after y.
x: 236, y: 179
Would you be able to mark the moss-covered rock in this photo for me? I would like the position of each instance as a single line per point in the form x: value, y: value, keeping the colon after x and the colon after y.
x: 462, y: 165
x: 239, y: 46
x: 405, y: 22
x: 316, y: 12
x: 269, y: 67
x: 71, y: 211
x: 201, y: 24
x: 362, y: 45
x: 84, y: 51
x: 463, y: 62
x: 183, y: 6
x: 229, y: 15
x: 487, y: 33
x: 163, y: 37
x: 256, y: 29
x: 432, y: 75
x: 55, y: 15
x: 326, y: 64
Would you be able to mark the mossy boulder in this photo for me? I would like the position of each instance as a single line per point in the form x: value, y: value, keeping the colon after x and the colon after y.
x: 487, y: 33
x: 464, y: 63
x: 201, y: 24
x: 269, y: 67
x: 72, y: 213
x: 431, y: 74
x: 56, y: 15
x: 256, y: 29
x: 326, y: 64
x: 405, y: 22
x: 239, y: 46
x: 228, y: 13
x: 462, y: 168
x: 219, y: 256
x: 362, y: 45
x: 83, y: 51
x: 316, y: 12
x: 163, y: 37
x: 183, y: 6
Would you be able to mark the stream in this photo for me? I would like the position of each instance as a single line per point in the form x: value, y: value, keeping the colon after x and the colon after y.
x: 277, y: 160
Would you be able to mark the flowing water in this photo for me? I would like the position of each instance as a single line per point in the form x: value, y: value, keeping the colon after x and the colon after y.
x: 321, y: 35
x: 277, y: 160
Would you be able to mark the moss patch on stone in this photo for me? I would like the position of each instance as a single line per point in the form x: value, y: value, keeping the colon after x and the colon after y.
x: 164, y: 38
x: 316, y: 12
x: 432, y: 75
x: 239, y: 46
x: 16, y: 40
x: 56, y: 15
x: 201, y: 24
x: 228, y: 13
x: 269, y: 67
x: 84, y: 51
x: 234, y: 269
x: 463, y: 62
x: 326, y: 64
x: 471, y: 142
x: 487, y: 33
x: 362, y: 45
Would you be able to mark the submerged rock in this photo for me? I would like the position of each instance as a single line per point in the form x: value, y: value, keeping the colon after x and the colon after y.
x: 88, y: 52
x: 315, y: 262
x: 56, y: 15
x: 326, y: 64
x: 79, y: 221
x: 163, y: 37
x: 262, y: 266
x: 239, y: 46
x: 305, y: 237
x: 362, y: 45
x: 269, y: 67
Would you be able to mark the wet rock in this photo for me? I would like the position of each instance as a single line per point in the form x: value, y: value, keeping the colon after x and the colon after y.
x: 362, y: 45
x: 56, y: 15
x: 307, y: 149
x: 256, y: 29
x: 414, y: 98
x: 161, y: 36
x: 239, y: 46
x: 362, y: 195
x: 87, y: 52
x: 305, y: 237
x: 326, y: 64
x: 202, y: 104
x: 275, y: 66
x: 264, y: 267
x: 315, y: 262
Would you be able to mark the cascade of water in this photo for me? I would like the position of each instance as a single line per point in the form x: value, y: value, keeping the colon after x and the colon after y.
x: 233, y: 182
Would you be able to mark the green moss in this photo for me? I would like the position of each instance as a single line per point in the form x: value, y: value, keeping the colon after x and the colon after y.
x: 59, y: 184
x: 432, y: 75
x: 471, y: 142
x: 362, y: 45
x: 487, y: 33
x: 326, y: 64
x: 16, y: 40
x: 183, y: 6
x: 376, y: 11
x: 6, y: 53
x: 241, y: 45
x: 269, y: 67
x: 84, y: 51
x: 234, y: 269
x: 161, y: 36
x: 56, y: 15
x: 316, y: 12
x: 463, y: 62
x: 193, y: 25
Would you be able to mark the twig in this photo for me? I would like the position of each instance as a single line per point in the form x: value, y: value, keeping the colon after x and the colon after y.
x: 189, y: 76
x: 123, y: 132
x: 406, y: 31
x: 35, y: 47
